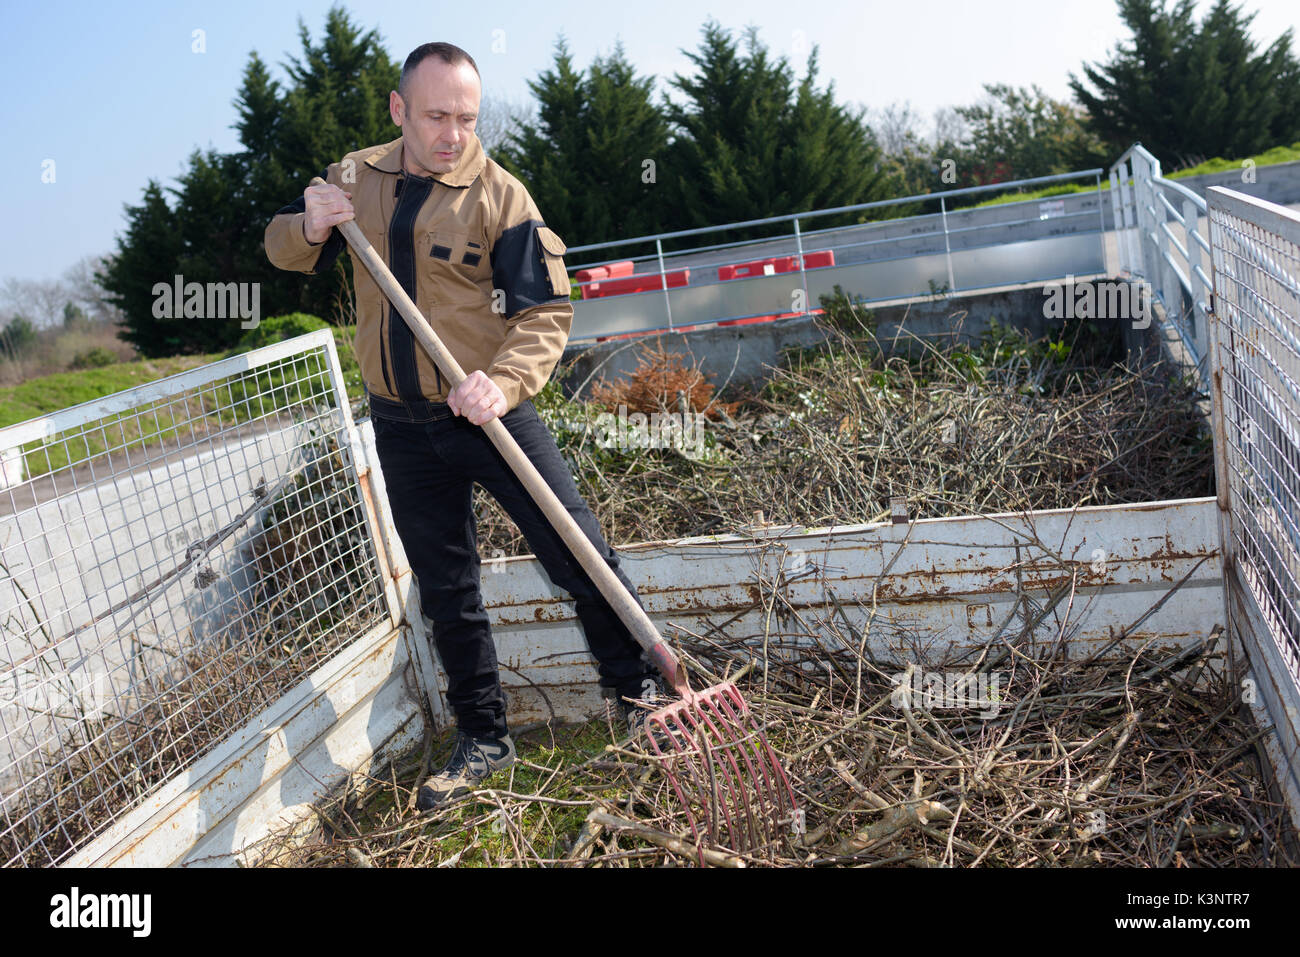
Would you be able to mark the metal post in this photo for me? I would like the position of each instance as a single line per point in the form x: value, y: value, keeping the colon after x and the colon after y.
x: 943, y: 212
x: 1128, y: 252
x: 803, y: 275
x: 1162, y: 251
x: 663, y: 280
x: 1219, y: 433
x: 1191, y: 229
x: 1101, y: 226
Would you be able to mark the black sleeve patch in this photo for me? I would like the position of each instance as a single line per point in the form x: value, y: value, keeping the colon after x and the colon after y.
x: 440, y: 252
x: 519, y: 268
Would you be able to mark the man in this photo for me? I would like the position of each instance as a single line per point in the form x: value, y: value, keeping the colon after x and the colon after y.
x: 469, y: 246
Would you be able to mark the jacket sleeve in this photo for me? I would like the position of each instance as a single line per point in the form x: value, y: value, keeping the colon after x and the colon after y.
x: 528, y: 266
x: 286, y: 243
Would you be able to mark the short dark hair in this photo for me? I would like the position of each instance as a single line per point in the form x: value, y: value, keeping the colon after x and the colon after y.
x: 446, y: 52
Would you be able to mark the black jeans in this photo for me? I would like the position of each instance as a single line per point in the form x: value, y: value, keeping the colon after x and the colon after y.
x: 431, y: 459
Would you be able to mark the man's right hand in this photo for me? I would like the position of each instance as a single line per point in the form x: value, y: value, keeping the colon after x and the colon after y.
x: 327, y: 206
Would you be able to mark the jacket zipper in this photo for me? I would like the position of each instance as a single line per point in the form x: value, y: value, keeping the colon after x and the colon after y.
x: 384, y: 319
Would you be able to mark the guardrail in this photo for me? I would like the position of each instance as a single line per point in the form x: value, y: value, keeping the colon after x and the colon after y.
x: 1161, y: 239
x: 933, y: 254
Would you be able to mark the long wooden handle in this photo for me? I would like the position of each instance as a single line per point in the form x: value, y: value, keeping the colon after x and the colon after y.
x: 619, y: 598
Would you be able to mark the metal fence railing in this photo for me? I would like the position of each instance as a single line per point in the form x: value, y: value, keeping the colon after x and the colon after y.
x: 1160, y: 238
x: 173, y: 559
x: 949, y: 248
x: 1255, y: 371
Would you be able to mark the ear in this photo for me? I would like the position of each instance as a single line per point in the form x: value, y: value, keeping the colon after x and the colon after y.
x: 396, y: 107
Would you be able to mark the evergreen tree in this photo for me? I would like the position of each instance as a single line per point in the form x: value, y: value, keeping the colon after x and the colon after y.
x: 147, y: 254
x: 336, y: 102
x: 751, y: 142
x: 584, y: 159
x: 1188, y: 93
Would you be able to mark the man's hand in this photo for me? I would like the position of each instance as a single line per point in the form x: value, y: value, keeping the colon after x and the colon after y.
x: 478, y: 398
x: 327, y: 206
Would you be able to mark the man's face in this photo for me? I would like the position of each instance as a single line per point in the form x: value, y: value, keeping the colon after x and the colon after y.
x: 437, y: 116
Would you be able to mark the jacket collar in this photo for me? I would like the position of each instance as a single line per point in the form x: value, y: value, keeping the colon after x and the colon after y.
x: 388, y: 159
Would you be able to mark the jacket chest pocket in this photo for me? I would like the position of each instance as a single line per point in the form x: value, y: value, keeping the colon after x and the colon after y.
x: 452, y: 248
x: 452, y: 263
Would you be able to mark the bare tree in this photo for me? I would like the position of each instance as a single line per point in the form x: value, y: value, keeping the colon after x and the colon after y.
x: 949, y: 127
x: 897, y: 128
x: 84, y: 292
x: 498, y: 117
x: 41, y: 300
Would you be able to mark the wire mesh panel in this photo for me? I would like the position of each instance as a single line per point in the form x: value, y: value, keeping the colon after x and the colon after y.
x: 173, y: 559
x: 1256, y: 262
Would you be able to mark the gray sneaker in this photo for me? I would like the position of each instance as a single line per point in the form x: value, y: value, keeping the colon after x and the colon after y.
x: 472, y: 761
x: 634, y: 711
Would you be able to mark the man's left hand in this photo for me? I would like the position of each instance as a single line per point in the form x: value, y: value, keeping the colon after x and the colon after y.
x: 478, y: 398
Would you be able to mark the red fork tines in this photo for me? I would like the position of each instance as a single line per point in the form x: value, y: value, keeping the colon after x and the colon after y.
x: 728, y: 781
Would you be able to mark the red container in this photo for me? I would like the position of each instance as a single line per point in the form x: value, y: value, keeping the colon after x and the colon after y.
x: 780, y: 264
x: 643, y: 282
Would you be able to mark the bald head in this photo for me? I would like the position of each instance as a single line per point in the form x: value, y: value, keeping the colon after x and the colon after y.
x: 437, y: 109
x: 447, y: 53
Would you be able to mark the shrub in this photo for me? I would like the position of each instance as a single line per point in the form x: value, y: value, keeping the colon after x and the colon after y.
x: 93, y: 358
x: 278, y: 328
x: 18, y: 336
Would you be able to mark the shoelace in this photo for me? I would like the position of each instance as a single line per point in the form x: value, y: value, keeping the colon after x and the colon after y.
x: 459, y: 755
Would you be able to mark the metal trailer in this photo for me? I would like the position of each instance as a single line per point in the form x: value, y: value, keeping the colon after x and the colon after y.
x: 207, y: 633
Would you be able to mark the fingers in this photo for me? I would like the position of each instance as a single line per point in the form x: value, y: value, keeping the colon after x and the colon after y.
x: 477, y: 398
x: 326, y: 207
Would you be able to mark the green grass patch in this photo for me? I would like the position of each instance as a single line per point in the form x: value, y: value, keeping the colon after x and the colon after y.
x: 472, y: 831
x: 1057, y: 189
x: 1278, y: 154
x: 217, y: 405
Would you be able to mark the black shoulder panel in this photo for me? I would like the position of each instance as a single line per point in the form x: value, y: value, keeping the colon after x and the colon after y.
x: 519, y: 269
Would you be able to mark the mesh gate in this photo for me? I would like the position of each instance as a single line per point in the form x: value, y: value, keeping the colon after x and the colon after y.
x: 173, y: 559
x: 1255, y: 248
x: 1257, y: 303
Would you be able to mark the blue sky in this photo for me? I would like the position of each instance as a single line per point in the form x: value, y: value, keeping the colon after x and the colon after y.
x: 115, y: 95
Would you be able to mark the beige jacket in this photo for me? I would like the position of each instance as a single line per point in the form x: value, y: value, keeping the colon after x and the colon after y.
x: 471, y: 250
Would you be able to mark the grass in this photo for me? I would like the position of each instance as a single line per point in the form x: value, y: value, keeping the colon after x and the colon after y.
x: 1278, y: 154
x: 64, y: 348
x: 470, y: 832
x: 237, y: 401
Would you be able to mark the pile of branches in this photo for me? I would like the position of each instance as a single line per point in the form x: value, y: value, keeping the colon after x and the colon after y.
x: 843, y: 429
x: 1139, y: 753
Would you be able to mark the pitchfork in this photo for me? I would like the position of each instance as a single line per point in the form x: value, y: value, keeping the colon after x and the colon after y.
x: 727, y: 779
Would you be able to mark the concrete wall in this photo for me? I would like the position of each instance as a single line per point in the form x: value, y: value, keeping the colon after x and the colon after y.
x: 1279, y: 183
x: 746, y: 354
